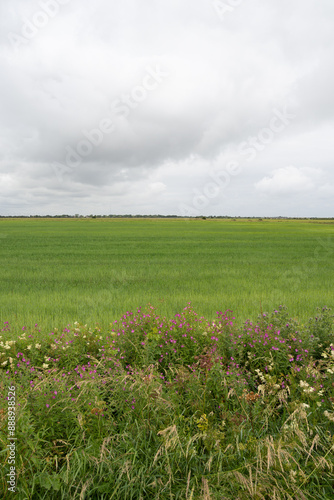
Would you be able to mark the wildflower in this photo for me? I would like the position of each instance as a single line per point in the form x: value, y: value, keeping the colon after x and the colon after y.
x: 330, y: 416
x: 38, y: 346
x: 293, y: 474
x: 45, y: 365
x: 303, y: 384
x: 202, y: 423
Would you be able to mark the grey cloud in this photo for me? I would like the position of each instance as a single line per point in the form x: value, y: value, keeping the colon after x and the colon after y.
x: 226, y: 76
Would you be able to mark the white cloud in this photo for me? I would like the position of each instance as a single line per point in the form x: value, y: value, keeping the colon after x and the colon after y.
x: 157, y: 187
x: 288, y: 180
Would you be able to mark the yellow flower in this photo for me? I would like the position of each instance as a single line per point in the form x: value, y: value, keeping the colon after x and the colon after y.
x: 202, y: 423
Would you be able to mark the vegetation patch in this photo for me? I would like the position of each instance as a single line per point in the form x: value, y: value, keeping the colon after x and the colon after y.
x: 56, y: 271
x: 178, y: 408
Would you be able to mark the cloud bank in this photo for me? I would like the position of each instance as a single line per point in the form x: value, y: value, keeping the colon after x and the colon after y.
x: 120, y: 107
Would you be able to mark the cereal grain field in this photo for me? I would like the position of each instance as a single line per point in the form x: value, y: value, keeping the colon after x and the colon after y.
x: 57, y: 271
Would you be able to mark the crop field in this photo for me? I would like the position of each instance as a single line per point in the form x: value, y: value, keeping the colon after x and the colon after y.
x: 156, y: 398
x: 57, y: 271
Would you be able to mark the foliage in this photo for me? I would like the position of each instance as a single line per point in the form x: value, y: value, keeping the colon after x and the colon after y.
x: 176, y: 408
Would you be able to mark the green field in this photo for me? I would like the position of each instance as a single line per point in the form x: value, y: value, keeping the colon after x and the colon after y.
x: 57, y: 271
x: 182, y: 407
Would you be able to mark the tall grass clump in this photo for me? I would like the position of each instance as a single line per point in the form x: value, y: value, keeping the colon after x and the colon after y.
x: 178, y: 408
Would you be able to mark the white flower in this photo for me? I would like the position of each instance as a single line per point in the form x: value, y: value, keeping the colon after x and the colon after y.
x: 304, y: 405
x: 329, y: 415
x: 303, y: 384
x: 29, y: 347
x: 38, y: 346
x: 293, y: 474
x: 45, y: 365
x: 4, y: 363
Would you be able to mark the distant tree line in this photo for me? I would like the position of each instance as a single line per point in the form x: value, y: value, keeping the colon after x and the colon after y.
x: 156, y: 216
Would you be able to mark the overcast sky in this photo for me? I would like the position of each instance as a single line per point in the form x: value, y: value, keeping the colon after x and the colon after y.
x: 184, y: 107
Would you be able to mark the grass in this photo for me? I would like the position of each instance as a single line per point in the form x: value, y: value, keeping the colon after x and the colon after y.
x: 56, y: 271
x: 165, y: 403
x: 179, y: 408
